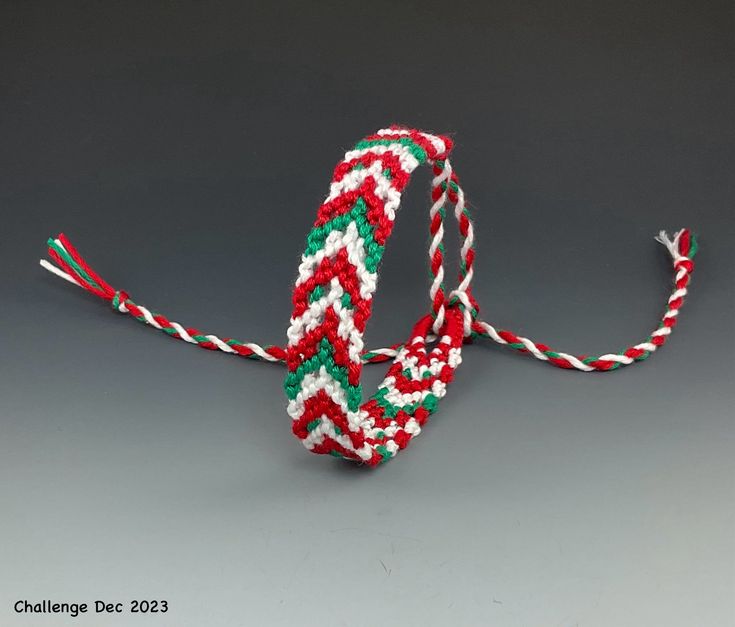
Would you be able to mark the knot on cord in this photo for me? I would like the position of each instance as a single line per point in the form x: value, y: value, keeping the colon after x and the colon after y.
x: 461, y: 301
x: 119, y: 298
x: 468, y: 306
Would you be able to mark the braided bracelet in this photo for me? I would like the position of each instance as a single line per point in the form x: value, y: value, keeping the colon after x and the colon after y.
x: 332, y: 302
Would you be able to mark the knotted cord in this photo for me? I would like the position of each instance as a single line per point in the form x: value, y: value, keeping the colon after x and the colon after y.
x: 332, y: 303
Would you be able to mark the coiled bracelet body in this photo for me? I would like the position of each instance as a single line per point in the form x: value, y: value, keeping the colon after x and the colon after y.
x: 332, y: 302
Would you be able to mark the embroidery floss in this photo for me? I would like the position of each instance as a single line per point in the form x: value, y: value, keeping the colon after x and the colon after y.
x: 332, y: 302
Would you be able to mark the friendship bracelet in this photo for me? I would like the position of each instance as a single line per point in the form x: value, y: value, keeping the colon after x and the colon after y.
x: 332, y: 303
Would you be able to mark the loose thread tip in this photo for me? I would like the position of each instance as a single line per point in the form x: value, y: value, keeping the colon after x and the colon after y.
x: 682, y: 244
x: 671, y: 244
x: 58, y: 272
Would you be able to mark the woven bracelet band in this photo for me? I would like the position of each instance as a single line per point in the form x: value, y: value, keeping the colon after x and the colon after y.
x: 332, y: 302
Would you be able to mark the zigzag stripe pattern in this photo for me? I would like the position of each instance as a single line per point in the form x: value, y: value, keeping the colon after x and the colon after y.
x: 332, y: 303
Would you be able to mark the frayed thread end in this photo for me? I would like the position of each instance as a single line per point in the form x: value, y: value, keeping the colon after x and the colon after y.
x: 72, y: 267
x: 683, y: 244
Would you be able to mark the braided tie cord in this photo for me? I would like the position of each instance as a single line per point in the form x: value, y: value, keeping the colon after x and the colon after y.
x: 332, y: 302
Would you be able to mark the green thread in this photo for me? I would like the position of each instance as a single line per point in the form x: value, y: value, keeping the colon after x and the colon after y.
x: 413, y: 148
x: 316, y: 293
x: 693, y: 245
x: 61, y: 251
x: 380, y: 448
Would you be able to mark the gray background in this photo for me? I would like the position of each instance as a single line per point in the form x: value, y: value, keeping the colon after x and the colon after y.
x: 185, y: 148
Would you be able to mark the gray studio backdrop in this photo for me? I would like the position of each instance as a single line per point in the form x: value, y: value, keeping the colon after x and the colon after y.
x: 185, y: 147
